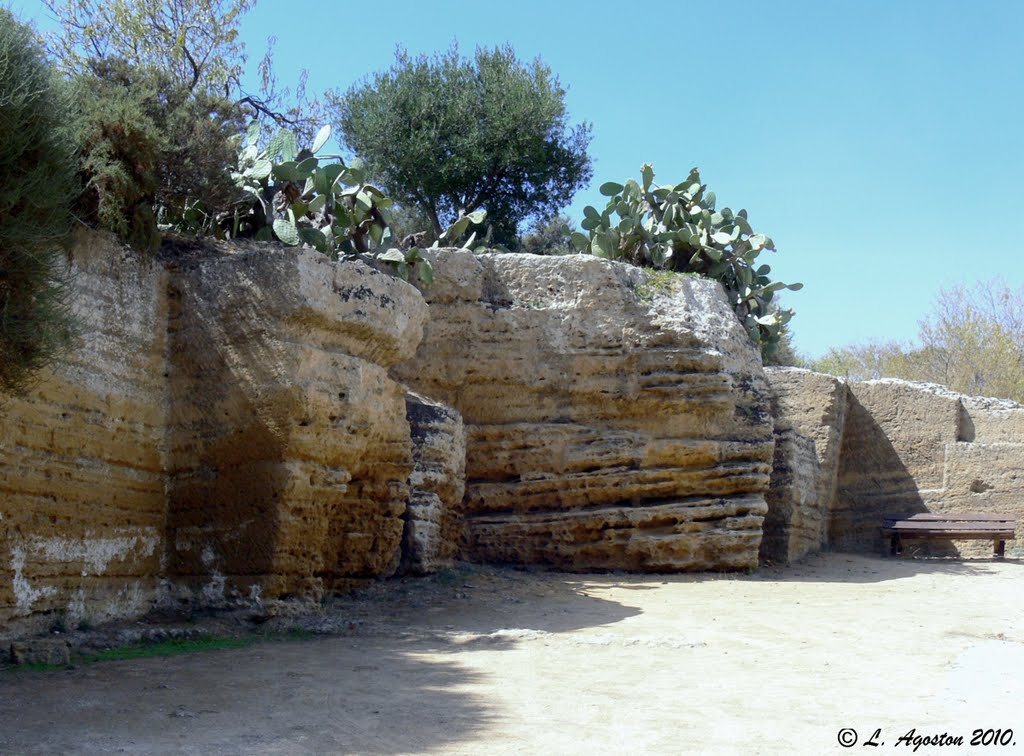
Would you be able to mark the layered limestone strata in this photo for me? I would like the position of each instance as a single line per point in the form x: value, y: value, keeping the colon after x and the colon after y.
x: 912, y: 447
x: 225, y: 429
x: 809, y: 411
x: 236, y: 426
x: 609, y: 425
x: 289, y: 449
x: 82, y: 479
x: 433, y: 517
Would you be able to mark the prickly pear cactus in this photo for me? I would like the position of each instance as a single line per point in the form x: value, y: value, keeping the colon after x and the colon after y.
x: 301, y: 198
x: 678, y: 228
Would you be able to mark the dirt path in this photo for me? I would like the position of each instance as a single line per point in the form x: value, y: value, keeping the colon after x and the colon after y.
x: 512, y: 662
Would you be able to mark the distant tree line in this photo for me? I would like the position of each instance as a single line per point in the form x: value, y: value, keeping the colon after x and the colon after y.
x: 972, y: 341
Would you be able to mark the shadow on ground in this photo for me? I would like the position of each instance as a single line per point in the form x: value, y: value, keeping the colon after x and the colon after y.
x: 321, y: 696
x: 372, y: 684
x: 404, y: 666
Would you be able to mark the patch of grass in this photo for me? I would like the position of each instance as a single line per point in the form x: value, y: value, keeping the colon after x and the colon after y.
x: 451, y: 576
x: 659, y: 282
x: 172, y: 647
x: 447, y: 576
x: 31, y: 667
x: 295, y: 634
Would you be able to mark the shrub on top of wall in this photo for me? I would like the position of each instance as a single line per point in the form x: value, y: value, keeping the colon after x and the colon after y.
x: 37, y: 188
x: 152, y: 150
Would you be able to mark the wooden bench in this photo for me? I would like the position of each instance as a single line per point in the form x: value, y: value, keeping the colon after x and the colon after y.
x: 999, y: 528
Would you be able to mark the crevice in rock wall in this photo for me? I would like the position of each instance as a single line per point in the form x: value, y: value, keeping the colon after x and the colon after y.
x: 433, y: 532
x: 809, y: 411
x: 965, y: 426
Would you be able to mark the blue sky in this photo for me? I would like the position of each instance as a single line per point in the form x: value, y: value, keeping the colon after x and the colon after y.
x: 878, y: 143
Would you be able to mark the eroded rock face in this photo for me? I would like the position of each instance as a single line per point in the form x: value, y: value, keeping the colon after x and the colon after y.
x: 289, y: 446
x: 226, y: 430
x: 913, y: 447
x: 81, y: 456
x: 605, y: 429
x: 433, y: 517
x: 809, y: 411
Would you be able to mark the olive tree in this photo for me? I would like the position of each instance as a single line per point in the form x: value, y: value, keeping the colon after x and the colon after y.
x: 452, y: 135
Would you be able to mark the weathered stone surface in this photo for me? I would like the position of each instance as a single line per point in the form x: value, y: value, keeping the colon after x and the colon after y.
x: 232, y: 427
x: 81, y: 455
x: 911, y: 447
x: 226, y: 429
x: 41, y: 651
x: 893, y: 454
x: 795, y: 522
x: 433, y: 517
x: 603, y: 431
x: 289, y: 446
x: 809, y: 411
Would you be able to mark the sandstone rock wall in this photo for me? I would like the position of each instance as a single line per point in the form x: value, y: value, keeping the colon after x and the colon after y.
x: 809, y: 411
x: 918, y: 447
x: 893, y: 456
x: 225, y: 429
x: 238, y: 427
x: 81, y: 456
x: 603, y: 431
x: 290, y: 451
x: 883, y: 448
x: 433, y: 518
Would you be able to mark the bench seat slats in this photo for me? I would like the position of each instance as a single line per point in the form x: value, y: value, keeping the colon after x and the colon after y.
x: 998, y: 528
x: 953, y: 517
x: 949, y: 527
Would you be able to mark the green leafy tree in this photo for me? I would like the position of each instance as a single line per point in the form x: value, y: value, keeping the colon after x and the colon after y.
x: 452, y: 136
x: 871, y: 360
x: 193, y: 44
x: 549, y: 236
x: 37, y: 165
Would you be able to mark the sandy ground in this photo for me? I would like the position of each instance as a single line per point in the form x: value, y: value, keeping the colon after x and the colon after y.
x: 520, y: 662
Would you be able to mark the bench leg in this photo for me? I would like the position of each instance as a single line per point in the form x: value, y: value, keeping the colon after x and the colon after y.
x: 1000, y: 549
x: 895, y: 545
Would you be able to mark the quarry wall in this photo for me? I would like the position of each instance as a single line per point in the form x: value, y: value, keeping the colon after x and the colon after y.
x: 82, y: 460
x: 603, y: 430
x: 242, y: 425
x: 886, y: 447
